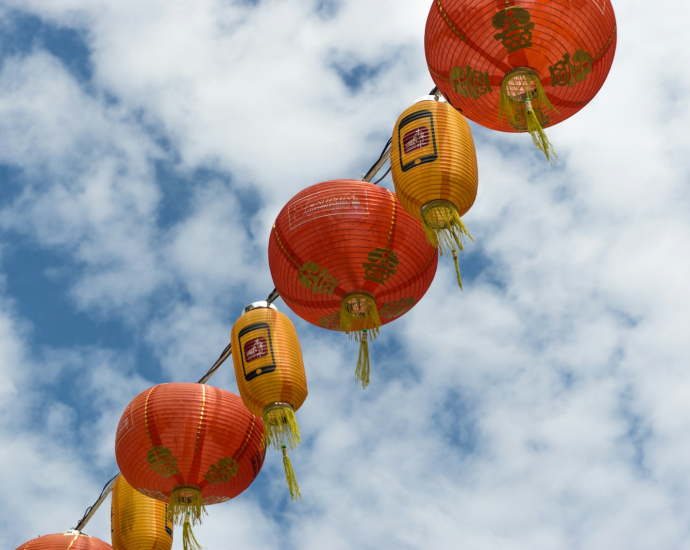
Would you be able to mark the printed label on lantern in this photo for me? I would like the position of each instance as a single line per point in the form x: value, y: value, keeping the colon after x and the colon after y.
x: 257, y: 348
x: 317, y: 205
x: 257, y: 461
x: 416, y: 140
x: 223, y: 472
x: 153, y: 494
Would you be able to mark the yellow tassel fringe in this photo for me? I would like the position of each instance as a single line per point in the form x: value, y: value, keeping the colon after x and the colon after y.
x: 189, y: 542
x: 363, y: 367
x: 186, y: 500
x: 357, y: 313
x: 290, y: 477
x: 443, y: 227
x: 281, y: 429
x: 521, y: 97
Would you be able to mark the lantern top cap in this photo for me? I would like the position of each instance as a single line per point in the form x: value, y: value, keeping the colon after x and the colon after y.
x: 74, y: 532
x: 257, y: 305
x: 431, y: 98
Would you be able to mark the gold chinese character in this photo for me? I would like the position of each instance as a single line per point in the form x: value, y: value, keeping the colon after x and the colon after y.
x: 567, y: 72
x: 382, y: 266
x: 391, y: 310
x: 320, y: 282
x: 516, y: 27
x: 226, y: 469
x: 331, y: 321
x: 470, y: 83
x: 161, y: 461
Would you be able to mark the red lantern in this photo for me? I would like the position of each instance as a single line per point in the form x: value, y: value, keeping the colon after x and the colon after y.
x: 71, y: 540
x: 344, y: 255
x: 189, y: 445
x: 523, y: 65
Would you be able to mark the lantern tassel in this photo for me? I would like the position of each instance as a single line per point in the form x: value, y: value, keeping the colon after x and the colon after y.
x: 281, y: 426
x: 186, y: 502
x: 363, y: 366
x: 520, y: 89
x: 457, y: 267
x: 541, y: 141
x: 189, y: 541
x: 290, y: 477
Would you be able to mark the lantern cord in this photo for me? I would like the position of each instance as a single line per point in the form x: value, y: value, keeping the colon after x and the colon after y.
x: 385, y: 155
x: 91, y: 510
x: 382, y: 177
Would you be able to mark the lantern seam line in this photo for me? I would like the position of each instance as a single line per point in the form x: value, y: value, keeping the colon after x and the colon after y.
x: 613, y: 34
x: 73, y: 540
x: 146, y: 417
x: 201, y: 417
x: 275, y: 231
x: 390, y: 231
x: 251, y: 430
x: 448, y: 21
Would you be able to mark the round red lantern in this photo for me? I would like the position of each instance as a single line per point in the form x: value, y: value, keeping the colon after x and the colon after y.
x: 522, y: 65
x: 71, y: 540
x: 344, y: 255
x: 189, y: 445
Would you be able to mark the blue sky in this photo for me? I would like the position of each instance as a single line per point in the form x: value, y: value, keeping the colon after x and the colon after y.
x: 146, y: 148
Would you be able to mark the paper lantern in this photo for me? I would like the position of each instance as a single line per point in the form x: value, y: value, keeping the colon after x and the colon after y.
x: 270, y: 376
x: 71, y: 540
x: 434, y: 167
x: 189, y: 445
x: 138, y: 522
x: 523, y: 65
x: 344, y: 255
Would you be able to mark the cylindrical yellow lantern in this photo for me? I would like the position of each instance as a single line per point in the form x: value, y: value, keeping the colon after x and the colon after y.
x: 138, y: 522
x: 434, y: 166
x: 270, y: 376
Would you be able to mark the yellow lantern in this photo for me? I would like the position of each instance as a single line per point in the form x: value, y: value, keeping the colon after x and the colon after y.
x: 434, y: 168
x: 270, y: 376
x: 138, y: 522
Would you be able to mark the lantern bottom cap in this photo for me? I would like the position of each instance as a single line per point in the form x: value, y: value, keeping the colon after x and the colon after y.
x: 185, y: 501
x: 358, y: 312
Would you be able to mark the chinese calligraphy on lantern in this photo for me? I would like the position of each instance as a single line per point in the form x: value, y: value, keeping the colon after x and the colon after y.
x: 320, y: 282
x: 470, y: 83
x: 381, y: 265
x: 516, y: 28
x: 221, y: 473
x: 392, y: 310
x: 331, y: 321
x: 161, y: 461
x: 570, y: 70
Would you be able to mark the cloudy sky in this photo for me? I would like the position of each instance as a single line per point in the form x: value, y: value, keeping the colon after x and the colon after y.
x: 146, y: 147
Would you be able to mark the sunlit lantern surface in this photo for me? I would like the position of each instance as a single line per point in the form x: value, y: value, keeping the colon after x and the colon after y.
x: 434, y: 167
x: 71, y: 540
x: 523, y: 65
x: 138, y: 522
x: 270, y: 376
x: 345, y: 256
x: 189, y: 445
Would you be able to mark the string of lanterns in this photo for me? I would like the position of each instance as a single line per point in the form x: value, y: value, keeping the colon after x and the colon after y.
x: 349, y: 256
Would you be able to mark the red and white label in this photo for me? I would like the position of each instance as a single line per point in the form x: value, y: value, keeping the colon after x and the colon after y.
x: 256, y: 348
x: 415, y: 139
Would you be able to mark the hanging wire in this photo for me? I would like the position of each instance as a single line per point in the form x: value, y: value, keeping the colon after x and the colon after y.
x: 91, y: 510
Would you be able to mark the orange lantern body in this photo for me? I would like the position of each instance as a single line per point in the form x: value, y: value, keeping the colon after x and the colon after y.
x: 270, y: 376
x: 512, y: 65
x: 344, y: 255
x: 189, y: 445
x: 71, y: 540
x: 434, y: 167
x: 138, y: 522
